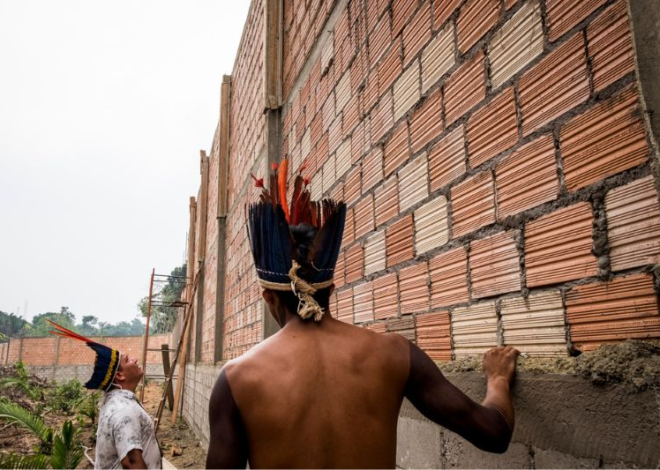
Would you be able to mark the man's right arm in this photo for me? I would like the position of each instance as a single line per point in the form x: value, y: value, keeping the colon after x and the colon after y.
x: 228, y: 446
x: 488, y: 426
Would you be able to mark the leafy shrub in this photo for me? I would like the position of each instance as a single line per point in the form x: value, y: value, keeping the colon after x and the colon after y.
x: 21, y: 380
x: 60, y: 450
x: 88, y: 405
x: 66, y: 396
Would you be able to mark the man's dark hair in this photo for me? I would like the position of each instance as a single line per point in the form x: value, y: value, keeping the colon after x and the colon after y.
x: 303, y: 236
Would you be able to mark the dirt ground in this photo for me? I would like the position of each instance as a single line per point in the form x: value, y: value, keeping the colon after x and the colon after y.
x: 180, y: 445
x: 178, y: 442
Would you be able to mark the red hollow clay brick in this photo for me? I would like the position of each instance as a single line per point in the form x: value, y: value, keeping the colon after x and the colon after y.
x: 414, y: 289
x: 555, y: 85
x: 349, y: 227
x: 633, y: 224
x: 558, y: 246
x: 475, y: 19
x: 465, y: 88
x: 433, y: 335
x: 442, y: 10
x: 387, y: 201
x: 605, y: 140
x: 345, y: 305
x: 402, y: 10
x: 562, y: 15
x: 386, y: 296
x: 372, y: 169
x: 364, y: 216
x: 397, y: 149
x: 609, y: 41
x: 473, y: 204
x: 492, y: 129
x: 363, y: 303
x: 447, y: 159
x: 354, y: 263
x: 527, y: 177
x: 494, y: 265
x: 378, y: 327
x: 399, y: 241
x: 426, y: 123
x: 448, y: 274
x: 607, y: 312
x: 417, y: 33
x: 390, y: 67
x: 404, y: 326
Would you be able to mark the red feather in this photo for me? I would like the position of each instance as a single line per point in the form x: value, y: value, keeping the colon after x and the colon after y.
x: 68, y: 333
x: 281, y: 179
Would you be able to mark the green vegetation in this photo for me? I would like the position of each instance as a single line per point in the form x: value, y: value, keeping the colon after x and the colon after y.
x: 164, y: 315
x: 22, y: 382
x: 60, y: 450
x: 10, y: 325
x: 23, y: 400
x: 66, y: 396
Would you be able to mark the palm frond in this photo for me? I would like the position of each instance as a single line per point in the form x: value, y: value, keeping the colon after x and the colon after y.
x: 17, y: 414
x: 16, y: 461
x: 67, y: 451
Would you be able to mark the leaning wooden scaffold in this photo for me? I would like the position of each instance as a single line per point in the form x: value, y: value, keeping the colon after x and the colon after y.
x: 182, y: 305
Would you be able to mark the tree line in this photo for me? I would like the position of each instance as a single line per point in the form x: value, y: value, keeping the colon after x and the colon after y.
x: 163, y: 317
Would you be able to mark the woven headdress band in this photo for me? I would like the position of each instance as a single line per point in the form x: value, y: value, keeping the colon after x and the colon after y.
x: 282, y: 262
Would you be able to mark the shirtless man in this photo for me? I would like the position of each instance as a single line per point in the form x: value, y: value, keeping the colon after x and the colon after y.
x: 327, y: 394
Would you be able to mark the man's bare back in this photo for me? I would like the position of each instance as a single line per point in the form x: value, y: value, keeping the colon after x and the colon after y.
x: 328, y: 394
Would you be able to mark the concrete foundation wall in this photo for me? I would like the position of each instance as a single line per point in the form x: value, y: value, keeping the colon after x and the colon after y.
x: 197, y: 391
x: 561, y: 422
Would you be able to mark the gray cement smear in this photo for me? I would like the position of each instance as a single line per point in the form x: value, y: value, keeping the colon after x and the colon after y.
x: 633, y: 364
x: 598, y: 410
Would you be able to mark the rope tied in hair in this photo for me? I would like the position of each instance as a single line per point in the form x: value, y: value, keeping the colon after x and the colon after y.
x: 308, y: 307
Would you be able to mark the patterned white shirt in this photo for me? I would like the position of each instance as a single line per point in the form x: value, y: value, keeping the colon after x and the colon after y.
x: 123, y: 426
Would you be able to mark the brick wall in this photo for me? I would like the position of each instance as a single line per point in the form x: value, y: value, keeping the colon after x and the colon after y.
x: 62, y: 352
x: 496, y: 163
x: 498, y: 168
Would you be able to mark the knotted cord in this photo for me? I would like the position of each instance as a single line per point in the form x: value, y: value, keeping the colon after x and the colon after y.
x: 307, y: 306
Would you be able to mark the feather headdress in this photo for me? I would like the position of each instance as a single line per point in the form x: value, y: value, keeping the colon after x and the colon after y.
x: 106, y: 362
x: 280, y: 262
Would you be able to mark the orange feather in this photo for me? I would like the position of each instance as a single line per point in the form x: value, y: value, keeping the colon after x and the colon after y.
x: 281, y: 180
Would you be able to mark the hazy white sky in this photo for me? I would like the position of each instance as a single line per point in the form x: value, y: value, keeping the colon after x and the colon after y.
x: 104, y: 107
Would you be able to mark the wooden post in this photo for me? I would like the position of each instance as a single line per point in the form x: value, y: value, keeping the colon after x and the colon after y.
x: 202, y: 205
x: 181, y: 363
x: 223, y: 153
x: 146, y: 335
x: 165, y: 350
x: 272, y: 62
